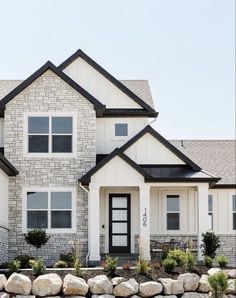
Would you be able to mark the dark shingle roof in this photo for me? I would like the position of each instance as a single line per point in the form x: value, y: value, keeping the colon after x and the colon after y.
x: 216, y: 156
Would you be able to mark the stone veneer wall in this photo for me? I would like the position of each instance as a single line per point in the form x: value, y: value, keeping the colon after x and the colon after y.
x: 3, y: 244
x: 228, y: 248
x: 102, y: 243
x: 49, y: 93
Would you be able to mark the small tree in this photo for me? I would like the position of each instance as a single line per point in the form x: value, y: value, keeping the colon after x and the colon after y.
x: 218, y: 284
x: 37, y: 238
x: 210, y: 243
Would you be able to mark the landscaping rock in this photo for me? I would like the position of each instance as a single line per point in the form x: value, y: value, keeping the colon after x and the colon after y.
x: 150, y: 288
x: 47, y: 285
x: 194, y: 295
x: 231, y: 287
x: 102, y: 296
x: 166, y: 296
x: 171, y: 286
x: 3, y: 280
x: 190, y: 281
x: 4, y: 295
x: 232, y: 273
x: 26, y: 296
x: 213, y: 271
x: 204, y: 286
x: 18, y: 284
x: 100, y: 284
x: 127, y: 288
x: 117, y: 280
x: 73, y: 285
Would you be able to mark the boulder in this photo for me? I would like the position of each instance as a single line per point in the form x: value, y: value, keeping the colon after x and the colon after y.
x: 100, y: 284
x: 18, y: 284
x: 4, y: 295
x: 126, y: 288
x: 232, y: 273
x: 26, y: 296
x: 190, y: 281
x: 194, y: 295
x: 102, y: 296
x: 47, y: 285
x: 166, y: 296
x: 117, y: 280
x: 171, y: 286
x: 150, y: 288
x: 213, y: 271
x: 3, y: 280
x: 231, y: 287
x: 73, y: 285
x: 204, y: 286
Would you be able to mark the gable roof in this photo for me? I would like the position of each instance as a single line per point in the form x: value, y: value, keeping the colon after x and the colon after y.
x: 7, y: 167
x: 99, y: 107
x: 163, y: 141
x: 113, y: 80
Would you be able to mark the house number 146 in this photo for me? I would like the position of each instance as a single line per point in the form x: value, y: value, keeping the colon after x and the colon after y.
x: 145, y: 217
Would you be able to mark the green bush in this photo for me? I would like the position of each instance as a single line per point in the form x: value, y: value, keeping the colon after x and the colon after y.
x: 13, y: 266
x: 208, y: 261
x: 37, y: 238
x: 218, y: 284
x: 110, y: 265
x: 210, y: 243
x: 68, y: 258
x: 24, y: 261
x: 169, y: 264
x: 222, y: 261
x: 190, y: 261
x: 37, y: 266
x: 60, y: 264
x: 77, y: 268
x: 178, y: 255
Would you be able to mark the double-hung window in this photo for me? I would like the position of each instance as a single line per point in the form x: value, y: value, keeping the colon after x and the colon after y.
x: 234, y: 211
x: 51, y: 210
x: 172, y: 212
x: 210, y: 211
x: 50, y: 134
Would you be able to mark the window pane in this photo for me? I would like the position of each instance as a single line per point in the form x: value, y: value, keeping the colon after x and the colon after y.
x: 119, y: 240
x: 37, y: 219
x: 61, y: 144
x: 119, y: 215
x: 121, y: 129
x: 61, y: 219
x: 172, y: 203
x: 234, y: 202
x: 119, y: 227
x: 37, y: 200
x: 234, y: 221
x: 38, y: 144
x: 119, y: 202
x: 210, y: 208
x: 38, y: 125
x: 61, y: 200
x: 173, y: 221
x: 62, y: 125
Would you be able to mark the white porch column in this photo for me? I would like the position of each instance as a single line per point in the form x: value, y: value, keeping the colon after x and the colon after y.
x: 93, y: 223
x: 144, y: 221
x: 202, y: 214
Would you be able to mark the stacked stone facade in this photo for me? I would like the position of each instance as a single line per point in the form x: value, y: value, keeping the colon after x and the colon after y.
x: 49, y: 93
x: 3, y: 244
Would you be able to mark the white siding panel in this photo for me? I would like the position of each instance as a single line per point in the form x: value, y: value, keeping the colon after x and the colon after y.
x: 1, y: 132
x: 148, y: 150
x: 98, y: 86
x: 3, y: 199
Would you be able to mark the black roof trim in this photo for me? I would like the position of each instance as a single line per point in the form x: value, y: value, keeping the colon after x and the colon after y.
x: 87, y: 177
x: 107, y: 75
x: 7, y: 167
x: 174, y: 179
x: 167, y: 144
x: 100, y: 108
x: 109, y: 113
x: 223, y: 186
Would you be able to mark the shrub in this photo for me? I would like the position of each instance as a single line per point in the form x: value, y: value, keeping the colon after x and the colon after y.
x: 24, y: 261
x: 169, y: 264
x: 37, y: 238
x: 208, y: 261
x: 190, y: 261
x: 155, y: 265
x: 210, y: 243
x: 37, y: 266
x: 75, y: 254
x: 68, y: 258
x: 126, y: 266
x: 60, y: 264
x: 142, y: 265
x: 178, y: 255
x: 77, y: 268
x: 110, y: 265
x: 13, y: 266
x: 222, y: 261
x: 218, y: 284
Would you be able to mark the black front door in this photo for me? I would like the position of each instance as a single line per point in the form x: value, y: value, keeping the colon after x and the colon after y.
x: 119, y: 223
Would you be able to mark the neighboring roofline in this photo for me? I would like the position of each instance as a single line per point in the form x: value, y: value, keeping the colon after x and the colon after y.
x: 161, y: 139
x: 223, y: 186
x: 109, y: 113
x: 99, y: 107
x: 7, y: 167
x: 108, y: 76
x: 87, y: 177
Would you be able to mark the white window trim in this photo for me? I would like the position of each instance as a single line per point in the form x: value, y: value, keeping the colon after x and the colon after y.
x: 174, y: 193
x: 51, y: 114
x: 113, y: 135
x: 50, y: 189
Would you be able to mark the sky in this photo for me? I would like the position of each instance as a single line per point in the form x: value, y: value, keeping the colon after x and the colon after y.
x: 185, y: 48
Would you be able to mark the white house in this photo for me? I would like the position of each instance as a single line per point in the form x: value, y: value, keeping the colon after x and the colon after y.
x: 79, y: 159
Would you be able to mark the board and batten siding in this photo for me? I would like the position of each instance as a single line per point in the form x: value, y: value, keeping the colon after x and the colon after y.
x: 106, y: 141
x: 3, y: 199
x: 1, y: 132
x: 98, y: 86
